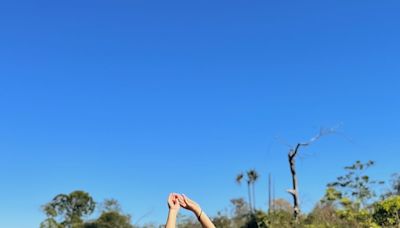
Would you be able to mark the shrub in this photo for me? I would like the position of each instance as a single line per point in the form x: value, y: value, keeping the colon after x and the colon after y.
x: 387, y: 212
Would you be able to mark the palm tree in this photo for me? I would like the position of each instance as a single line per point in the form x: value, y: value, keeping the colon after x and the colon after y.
x: 251, y: 178
x: 239, y: 179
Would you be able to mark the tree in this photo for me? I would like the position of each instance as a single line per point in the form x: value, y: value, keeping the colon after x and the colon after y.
x: 185, y: 221
x: 355, y: 188
x: 222, y: 220
x: 282, y: 205
x: 69, y: 208
x: 325, y: 216
x: 259, y: 219
x: 395, y: 186
x: 240, y: 212
x: 109, y: 205
x: 111, y: 219
x: 239, y: 179
x: 251, y: 178
x: 351, y: 194
x: 111, y: 216
x: 50, y: 223
x: 331, y: 198
x: 293, y: 152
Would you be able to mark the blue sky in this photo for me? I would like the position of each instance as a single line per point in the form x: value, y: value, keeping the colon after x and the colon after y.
x: 136, y: 99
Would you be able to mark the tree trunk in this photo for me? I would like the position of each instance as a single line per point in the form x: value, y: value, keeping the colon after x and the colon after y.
x: 249, y: 192
x: 254, y: 197
x: 295, y: 191
x: 269, y: 194
x: 292, y: 164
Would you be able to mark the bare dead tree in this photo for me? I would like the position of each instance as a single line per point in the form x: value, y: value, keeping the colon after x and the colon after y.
x: 293, y: 152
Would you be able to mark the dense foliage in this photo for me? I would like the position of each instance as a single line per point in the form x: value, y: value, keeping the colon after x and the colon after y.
x: 387, y: 212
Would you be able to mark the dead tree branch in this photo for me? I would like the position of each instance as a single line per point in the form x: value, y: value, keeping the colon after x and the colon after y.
x: 293, y: 152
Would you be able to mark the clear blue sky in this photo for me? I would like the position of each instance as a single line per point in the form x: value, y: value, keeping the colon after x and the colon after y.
x: 135, y: 99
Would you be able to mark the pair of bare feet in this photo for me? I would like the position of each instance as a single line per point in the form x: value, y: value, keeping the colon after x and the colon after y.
x: 177, y: 201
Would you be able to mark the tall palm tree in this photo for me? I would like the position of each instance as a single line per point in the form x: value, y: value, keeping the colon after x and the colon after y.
x: 239, y: 179
x: 253, y: 177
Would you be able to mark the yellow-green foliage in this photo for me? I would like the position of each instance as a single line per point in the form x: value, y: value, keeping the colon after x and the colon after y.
x: 360, y: 218
x: 277, y: 219
x: 387, y: 212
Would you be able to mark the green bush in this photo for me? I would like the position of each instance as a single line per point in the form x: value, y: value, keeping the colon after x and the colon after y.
x: 387, y: 212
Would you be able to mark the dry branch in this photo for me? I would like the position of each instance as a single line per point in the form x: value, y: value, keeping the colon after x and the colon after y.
x: 293, y: 152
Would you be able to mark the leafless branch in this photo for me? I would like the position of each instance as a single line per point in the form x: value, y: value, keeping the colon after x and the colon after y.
x: 293, y: 152
x: 144, y: 216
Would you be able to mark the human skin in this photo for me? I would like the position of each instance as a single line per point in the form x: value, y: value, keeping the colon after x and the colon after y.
x: 194, y: 207
x: 176, y: 201
x: 174, y: 206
